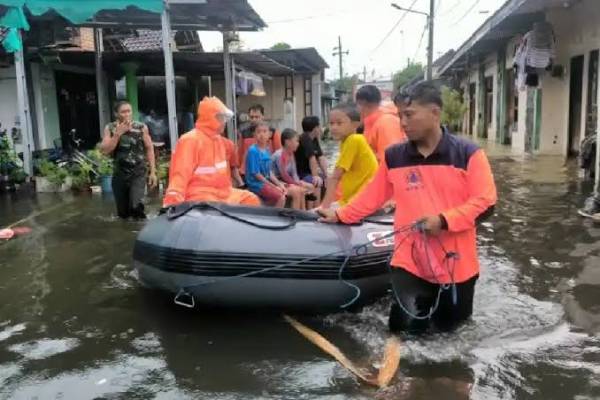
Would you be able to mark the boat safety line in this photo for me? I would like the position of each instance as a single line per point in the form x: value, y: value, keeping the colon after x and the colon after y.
x: 173, y: 213
x: 182, y: 293
x: 34, y: 215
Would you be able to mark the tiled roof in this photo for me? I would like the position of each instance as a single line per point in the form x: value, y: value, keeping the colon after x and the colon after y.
x: 146, y: 40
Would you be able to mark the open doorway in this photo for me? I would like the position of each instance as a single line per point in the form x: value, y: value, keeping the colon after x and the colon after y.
x: 472, y: 99
x: 488, y: 106
x: 575, y: 105
x: 78, y: 109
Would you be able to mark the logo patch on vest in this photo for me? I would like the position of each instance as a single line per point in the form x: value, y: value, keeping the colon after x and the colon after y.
x: 414, y: 180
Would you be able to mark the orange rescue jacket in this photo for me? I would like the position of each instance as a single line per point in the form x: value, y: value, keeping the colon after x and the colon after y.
x: 455, y: 182
x: 383, y: 129
x: 199, y: 166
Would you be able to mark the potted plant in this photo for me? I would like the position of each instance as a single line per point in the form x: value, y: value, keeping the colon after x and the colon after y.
x: 52, y: 178
x: 11, y: 170
x: 104, y: 168
x: 81, y: 174
x: 162, y: 173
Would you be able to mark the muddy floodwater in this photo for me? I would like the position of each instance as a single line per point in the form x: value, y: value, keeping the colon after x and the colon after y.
x: 75, y: 323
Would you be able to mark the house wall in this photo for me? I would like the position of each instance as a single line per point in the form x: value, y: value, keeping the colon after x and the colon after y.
x: 491, y: 70
x: 46, y: 106
x: 8, y: 105
x: 573, y: 39
x: 86, y: 39
x: 273, y: 102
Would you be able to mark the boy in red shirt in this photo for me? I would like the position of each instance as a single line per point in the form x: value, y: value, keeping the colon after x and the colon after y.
x: 446, y: 184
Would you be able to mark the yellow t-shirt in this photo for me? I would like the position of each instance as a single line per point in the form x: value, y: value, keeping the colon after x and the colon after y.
x: 359, y: 164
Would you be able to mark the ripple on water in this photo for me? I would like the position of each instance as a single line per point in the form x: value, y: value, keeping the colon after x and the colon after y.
x: 44, y: 348
x: 11, y: 331
x: 122, y: 277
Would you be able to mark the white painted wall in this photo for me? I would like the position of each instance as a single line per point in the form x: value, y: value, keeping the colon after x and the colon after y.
x: 573, y: 39
x: 8, y: 98
x: 519, y: 136
x: 46, y: 106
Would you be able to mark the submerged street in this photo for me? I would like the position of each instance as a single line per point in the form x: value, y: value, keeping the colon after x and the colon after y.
x: 75, y: 323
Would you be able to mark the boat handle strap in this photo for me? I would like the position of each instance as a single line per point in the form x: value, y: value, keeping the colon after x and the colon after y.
x: 184, y: 299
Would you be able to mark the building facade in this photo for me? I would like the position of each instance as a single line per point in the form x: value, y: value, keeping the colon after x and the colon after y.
x: 552, y: 117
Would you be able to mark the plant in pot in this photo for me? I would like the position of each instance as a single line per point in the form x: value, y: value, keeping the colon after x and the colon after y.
x: 81, y: 174
x: 11, y: 170
x: 104, y: 167
x: 105, y: 170
x: 52, y: 178
x: 162, y: 173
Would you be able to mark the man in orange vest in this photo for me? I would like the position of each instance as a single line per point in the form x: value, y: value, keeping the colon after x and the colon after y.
x: 445, y: 184
x: 382, y: 127
x: 199, y: 167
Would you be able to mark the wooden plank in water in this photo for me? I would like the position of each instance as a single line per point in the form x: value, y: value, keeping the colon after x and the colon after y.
x: 391, y: 357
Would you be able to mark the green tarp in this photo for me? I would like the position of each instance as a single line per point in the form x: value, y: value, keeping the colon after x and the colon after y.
x: 76, y: 11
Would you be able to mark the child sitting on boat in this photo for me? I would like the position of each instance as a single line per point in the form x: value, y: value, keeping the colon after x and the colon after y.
x: 284, y: 167
x: 356, y: 164
x: 260, y: 178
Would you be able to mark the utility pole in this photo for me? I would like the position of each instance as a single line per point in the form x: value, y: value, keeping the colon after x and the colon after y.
x: 339, y: 51
x: 365, y: 73
x: 430, y: 18
x: 430, y: 47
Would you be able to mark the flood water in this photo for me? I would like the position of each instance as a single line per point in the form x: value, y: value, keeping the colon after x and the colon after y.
x: 75, y: 324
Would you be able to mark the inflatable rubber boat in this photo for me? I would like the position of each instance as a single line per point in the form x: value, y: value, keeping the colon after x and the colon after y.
x: 215, y: 255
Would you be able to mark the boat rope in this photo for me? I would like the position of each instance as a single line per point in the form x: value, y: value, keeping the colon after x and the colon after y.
x: 418, y: 228
x: 183, y: 291
x: 178, y: 211
x: 449, y: 256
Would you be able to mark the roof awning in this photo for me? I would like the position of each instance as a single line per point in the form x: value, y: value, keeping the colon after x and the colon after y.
x: 151, y: 63
x: 302, y: 61
x: 185, y: 14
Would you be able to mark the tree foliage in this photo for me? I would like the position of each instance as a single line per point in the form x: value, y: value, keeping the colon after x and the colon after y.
x: 346, y: 83
x: 454, y: 108
x: 404, y: 76
x: 281, y: 46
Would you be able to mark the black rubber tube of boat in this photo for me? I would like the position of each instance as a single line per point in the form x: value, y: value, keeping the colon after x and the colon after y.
x: 183, y: 290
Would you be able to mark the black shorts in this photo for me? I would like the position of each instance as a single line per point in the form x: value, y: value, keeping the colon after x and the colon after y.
x: 419, y: 296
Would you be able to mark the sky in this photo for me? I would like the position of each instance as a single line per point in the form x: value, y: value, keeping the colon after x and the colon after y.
x: 365, y: 27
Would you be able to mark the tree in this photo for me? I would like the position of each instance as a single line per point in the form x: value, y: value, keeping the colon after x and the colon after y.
x: 281, y: 46
x: 346, y: 83
x: 404, y: 76
x: 454, y: 108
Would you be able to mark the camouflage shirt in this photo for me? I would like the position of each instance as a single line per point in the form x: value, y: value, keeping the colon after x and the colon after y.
x: 130, y: 154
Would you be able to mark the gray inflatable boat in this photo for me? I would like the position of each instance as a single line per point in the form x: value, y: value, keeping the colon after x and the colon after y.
x: 214, y: 255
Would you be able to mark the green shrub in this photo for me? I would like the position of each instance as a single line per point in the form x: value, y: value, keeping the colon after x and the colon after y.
x: 55, y: 174
x: 454, y: 108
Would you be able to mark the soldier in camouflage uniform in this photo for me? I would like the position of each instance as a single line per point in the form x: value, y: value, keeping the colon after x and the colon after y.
x: 130, y: 145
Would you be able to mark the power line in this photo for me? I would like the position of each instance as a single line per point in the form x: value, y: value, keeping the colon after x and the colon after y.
x: 421, y: 41
x: 393, y: 28
x: 309, y: 17
x: 467, y: 13
x: 451, y: 10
